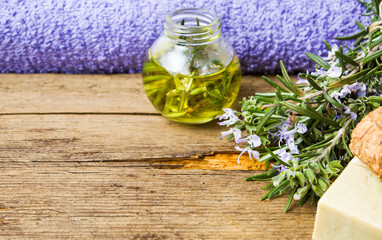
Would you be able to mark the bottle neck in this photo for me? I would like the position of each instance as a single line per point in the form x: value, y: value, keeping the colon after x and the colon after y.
x: 192, y: 26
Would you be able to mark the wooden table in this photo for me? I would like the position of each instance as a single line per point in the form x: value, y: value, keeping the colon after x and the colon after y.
x: 87, y: 156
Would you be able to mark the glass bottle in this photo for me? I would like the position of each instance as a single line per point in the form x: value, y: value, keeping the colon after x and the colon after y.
x: 191, y: 73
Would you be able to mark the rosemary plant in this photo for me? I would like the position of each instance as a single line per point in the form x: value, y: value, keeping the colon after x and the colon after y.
x: 302, y: 130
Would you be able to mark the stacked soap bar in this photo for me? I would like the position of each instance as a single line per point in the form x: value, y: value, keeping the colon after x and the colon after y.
x: 352, y: 207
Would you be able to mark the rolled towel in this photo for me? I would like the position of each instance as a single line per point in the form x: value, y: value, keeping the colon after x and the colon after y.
x: 105, y: 36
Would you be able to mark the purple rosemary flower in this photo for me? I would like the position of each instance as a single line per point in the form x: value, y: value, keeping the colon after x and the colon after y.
x: 284, y: 134
x: 286, y: 124
x: 319, y: 72
x: 340, y: 94
x: 280, y: 168
x: 333, y: 72
x: 253, y: 140
x: 284, y: 155
x: 292, y: 146
x: 338, y: 117
x: 332, y: 53
x: 229, y: 116
x: 235, y: 131
x: 302, y: 80
x: 359, y: 88
x: 301, y: 128
x: 353, y: 115
x: 251, y: 153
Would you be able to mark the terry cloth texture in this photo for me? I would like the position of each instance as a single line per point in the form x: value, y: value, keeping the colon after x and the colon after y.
x: 113, y: 36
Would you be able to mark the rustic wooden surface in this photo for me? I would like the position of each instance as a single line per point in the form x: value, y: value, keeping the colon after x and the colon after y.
x: 87, y: 156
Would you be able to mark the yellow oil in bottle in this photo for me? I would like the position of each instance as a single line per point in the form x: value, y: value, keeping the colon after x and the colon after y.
x: 191, y: 98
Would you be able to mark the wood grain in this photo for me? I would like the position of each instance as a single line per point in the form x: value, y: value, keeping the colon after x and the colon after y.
x: 87, y: 156
x: 127, y: 200
x: 58, y: 93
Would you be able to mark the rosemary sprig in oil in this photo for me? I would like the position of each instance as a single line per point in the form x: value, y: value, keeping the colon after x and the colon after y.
x: 197, y: 93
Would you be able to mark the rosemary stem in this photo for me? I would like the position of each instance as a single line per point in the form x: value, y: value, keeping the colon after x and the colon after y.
x: 334, y: 141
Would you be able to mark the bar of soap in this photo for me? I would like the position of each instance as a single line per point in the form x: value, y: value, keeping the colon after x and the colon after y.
x: 352, y: 207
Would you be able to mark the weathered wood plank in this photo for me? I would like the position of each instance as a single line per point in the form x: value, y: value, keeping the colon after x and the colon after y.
x: 85, y: 156
x: 59, y: 93
x: 101, y: 138
x: 38, y: 93
x: 74, y: 137
x: 119, y: 200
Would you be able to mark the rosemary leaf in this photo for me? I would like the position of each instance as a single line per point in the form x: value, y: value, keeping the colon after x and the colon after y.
x: 273, y: 84
x: 276, y: 157
x: 289, y: 84
x: 267, y: 116
x: 346, y: 59
x: 372, y: 56
x: 332, y: 101
x: 318, y: 60
x: 312, y: 114
x: 348, y: 79
x: 328, y: 45
x: 292, y: 192
x: 354, y: 36
x: 313, y: 83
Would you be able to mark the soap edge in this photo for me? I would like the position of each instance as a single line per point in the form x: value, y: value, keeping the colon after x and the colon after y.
x: 358, y: 221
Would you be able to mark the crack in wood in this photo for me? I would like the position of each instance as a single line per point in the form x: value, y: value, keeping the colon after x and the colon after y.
x: 214, y: 161
x: 217, y: 161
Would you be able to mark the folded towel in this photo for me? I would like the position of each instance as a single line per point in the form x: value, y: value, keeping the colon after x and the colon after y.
x: 112, y: 36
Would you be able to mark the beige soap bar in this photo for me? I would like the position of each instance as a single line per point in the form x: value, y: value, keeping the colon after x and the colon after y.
x: 352, y: 207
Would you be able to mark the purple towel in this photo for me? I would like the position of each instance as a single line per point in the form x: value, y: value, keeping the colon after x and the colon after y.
x: 105, y: 36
